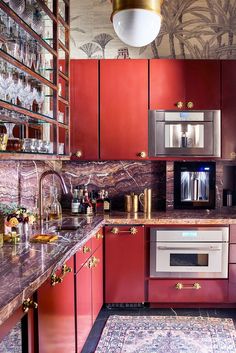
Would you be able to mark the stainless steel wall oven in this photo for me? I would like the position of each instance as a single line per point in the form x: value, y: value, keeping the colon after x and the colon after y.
x: 196, y: 252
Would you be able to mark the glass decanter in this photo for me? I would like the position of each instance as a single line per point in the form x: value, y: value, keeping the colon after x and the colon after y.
x: 54, y: 207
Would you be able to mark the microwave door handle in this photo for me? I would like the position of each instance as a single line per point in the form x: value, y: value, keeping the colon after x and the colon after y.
x: 185, y: 248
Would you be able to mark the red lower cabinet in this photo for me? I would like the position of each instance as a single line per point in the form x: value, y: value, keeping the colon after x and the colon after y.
x: 124, y: 259
x: 83, y: 304
x: 56, y: 319
x: 97, y: 283
x: 187, y: 291
x: 89, y: 295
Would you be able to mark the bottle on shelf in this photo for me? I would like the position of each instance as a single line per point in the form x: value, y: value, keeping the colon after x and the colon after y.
x: 100, y: 202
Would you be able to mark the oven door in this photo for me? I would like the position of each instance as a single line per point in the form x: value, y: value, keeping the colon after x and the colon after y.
x: 189, y: 260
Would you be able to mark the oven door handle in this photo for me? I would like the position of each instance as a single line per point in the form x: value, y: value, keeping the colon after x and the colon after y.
x: 188, y: 248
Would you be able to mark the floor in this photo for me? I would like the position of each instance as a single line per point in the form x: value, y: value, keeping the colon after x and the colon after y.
x: 95, y: 334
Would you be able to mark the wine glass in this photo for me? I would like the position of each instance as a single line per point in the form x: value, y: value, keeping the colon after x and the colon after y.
x: 17, y: 5
x: 40, y: 99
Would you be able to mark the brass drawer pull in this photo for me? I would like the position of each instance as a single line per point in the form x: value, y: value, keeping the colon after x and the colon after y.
x: 190, y: 105
x: 179, y: 105
x: 132, y: 230
x: 181, y: 286
x: 79, y: 154
x: 59, y: 279
x: 142, y: 154
x: 29, y: 304
x: 86, y: 249
x: 232, y: 155
x: 99, y: 236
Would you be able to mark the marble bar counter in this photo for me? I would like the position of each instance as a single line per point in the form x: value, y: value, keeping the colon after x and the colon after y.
x: 25, y: 266
x: 224, y: 216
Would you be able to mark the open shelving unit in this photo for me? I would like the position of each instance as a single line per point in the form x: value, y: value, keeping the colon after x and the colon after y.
x: 34, y: 80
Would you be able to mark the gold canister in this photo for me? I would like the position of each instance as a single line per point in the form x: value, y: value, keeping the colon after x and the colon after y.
x: 128, y: 203
x: 3, y: 142
x: 134, y: 203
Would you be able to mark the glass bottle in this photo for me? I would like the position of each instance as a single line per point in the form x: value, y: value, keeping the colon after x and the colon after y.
x: 106, y: 203
x: 75, y: 203
x: 55, y: 210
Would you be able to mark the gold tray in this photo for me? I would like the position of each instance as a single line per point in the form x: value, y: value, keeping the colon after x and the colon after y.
x: 43, y: 238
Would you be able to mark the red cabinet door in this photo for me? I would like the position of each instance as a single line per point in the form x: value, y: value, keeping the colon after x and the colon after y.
x: 56, y: 315
x: 97, y: 282
x: 167, y: 83
x: 228, y: 108
x: 202, y: 81
x: 123, y: 109
x: 84, y: 108
x: 185, y: 81
x: 83, y: 304
x: 124, y: 271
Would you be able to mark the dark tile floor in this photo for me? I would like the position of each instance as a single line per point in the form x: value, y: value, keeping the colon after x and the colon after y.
x: 96, y: 331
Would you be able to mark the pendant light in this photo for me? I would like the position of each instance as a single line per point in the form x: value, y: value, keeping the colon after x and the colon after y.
x: 136, y: 22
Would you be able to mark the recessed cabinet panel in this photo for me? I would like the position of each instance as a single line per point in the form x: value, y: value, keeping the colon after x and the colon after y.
x: 123, y: 109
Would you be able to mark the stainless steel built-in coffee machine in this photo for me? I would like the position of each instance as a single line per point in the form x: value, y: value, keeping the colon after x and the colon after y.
x: 194, y: 185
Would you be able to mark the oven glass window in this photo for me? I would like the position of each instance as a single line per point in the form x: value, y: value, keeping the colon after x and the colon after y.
x: 197, y: 260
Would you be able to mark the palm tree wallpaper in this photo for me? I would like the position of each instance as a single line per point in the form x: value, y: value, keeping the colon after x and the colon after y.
x: 193, y: 29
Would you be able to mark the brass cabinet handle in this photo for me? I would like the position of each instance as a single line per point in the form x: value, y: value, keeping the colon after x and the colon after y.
x: 181, y: 286
x: 95, y: 261
x: 29, y: 304
x: 233, y: 155
x: 86, y: 249
x: 142, y: 154
x: 79, y: 154
x: 132, y: 230
x: 190, y: 105
x: 179, y: 105
x: 99, y: 236
x: 59, y: 279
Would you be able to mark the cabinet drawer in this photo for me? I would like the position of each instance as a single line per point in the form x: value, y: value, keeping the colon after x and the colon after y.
x: 165, y: 291
x: 97, y: 239
x: 83, y: 254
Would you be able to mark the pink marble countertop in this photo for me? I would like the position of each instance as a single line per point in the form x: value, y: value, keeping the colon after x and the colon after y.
x: 224, y: 216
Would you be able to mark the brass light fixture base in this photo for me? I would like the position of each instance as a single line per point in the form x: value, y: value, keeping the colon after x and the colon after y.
x: 151, y: 5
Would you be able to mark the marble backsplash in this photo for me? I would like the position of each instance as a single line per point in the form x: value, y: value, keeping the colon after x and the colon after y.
x: 19, y: 180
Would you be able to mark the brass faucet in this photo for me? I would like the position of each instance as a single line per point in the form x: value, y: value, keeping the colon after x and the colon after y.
x: 63, y: 185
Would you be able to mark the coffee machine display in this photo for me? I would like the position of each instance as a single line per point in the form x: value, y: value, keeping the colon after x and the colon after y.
x: 194, y: 185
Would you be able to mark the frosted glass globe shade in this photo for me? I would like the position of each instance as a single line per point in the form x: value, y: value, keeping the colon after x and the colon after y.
x: 137, y: 27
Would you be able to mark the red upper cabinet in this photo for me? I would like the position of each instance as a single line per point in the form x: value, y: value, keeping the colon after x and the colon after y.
x: 124, y: 260
x: 228, y: 108
x: 167, y: 83
x: 123, y: 109
x: 184, y: 84
x: 84, y: 109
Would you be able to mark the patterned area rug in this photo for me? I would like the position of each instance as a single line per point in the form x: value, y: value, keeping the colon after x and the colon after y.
x: 167, y: 334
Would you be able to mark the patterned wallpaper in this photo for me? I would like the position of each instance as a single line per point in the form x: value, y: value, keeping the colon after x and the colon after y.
x: 196, y: 29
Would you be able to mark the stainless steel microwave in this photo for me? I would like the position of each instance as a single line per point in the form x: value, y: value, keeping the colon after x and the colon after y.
x: 185, y: 133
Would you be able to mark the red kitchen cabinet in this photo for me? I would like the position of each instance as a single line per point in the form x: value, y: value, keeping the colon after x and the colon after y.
x: 123, y: 109
x: 124, y: 259
x: 97, y: 283
x: 83, y: 304
x: 56, y: 315
x: 228, y: 108
x: 89, y: 295
x: 22, y: 325
x: 84, y: 109
x: 186, y: 82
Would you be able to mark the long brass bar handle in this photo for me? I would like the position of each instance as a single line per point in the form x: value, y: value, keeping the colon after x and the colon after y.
x: 132, y: 230
x: 181, y: 286
x: 59, y: 279
x: 29, y: 304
